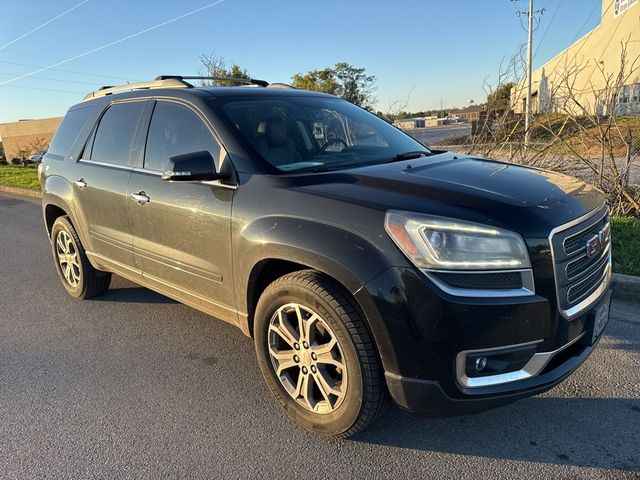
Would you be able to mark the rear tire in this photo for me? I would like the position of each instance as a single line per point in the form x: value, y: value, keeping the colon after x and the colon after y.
x: 76, y: 273
x: 317, y: 356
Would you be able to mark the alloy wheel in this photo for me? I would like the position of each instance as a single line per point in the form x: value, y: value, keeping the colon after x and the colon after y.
x: 68, y: 258
x: 307, y: 358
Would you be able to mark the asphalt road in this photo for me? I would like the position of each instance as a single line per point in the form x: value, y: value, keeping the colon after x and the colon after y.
x: 434, y: 136
x: 134, y: 385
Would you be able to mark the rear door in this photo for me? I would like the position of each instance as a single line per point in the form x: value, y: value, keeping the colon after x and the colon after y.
x: 100, y: 179
x: 182, y: 229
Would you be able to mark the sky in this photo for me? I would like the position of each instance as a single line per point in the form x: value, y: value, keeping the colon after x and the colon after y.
x: 427, y: 51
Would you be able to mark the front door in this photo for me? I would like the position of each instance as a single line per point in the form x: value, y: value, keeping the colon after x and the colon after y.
x: 100, y: 184
x: 182, y: 230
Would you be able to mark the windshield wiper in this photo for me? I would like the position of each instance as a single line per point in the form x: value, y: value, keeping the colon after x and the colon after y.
x: 410, y: 155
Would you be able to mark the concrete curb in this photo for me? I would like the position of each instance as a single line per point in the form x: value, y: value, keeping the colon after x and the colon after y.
x: 626, y: 287
x: 25, y: 192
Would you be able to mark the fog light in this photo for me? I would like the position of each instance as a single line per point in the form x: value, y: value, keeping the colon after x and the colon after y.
x: 481, y: 362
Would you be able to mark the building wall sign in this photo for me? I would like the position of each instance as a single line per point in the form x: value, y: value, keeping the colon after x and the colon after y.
x: 622, y: 6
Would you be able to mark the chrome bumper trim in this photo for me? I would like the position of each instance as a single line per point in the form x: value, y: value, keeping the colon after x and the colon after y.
x: 534, y: 366
x: 528, y: 286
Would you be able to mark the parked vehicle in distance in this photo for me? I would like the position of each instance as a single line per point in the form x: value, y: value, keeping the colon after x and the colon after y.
x: 37, y: 156
x: 362, y: 263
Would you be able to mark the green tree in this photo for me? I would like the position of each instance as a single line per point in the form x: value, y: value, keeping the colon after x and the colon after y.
x: 216, y: 66
x: 344, y: 80
x: 500, y: 98
x: 317, y: 80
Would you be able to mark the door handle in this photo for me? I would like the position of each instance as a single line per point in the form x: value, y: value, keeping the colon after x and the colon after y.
x: 140, y: 197
x: 80, y: 183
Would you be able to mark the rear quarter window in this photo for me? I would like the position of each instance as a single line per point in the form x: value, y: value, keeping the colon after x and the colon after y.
x: 68, y: 131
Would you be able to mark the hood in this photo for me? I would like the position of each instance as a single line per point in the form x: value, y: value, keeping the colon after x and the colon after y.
x: 464, y: 187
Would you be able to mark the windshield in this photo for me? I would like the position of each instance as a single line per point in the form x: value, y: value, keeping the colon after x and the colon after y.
x: 299, y: 133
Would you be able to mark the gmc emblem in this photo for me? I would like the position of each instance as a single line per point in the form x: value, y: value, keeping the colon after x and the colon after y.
x: 595, y: 244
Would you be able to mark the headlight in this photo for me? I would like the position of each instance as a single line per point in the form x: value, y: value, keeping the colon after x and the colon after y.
x: 446, y: 244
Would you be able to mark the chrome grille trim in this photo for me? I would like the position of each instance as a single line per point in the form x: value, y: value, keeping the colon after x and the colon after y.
x: 599, y: 269
x: 589, y: 266
x: 580, y: 233
x: 597, y: 273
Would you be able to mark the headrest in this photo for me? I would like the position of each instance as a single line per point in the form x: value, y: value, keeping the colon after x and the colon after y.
x: 275, y: 131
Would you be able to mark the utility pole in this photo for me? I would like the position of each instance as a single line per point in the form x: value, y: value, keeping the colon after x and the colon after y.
x: 527, y: 114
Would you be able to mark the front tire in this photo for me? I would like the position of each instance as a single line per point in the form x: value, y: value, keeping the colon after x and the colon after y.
x: 317, y: 355
x: 77, y: 275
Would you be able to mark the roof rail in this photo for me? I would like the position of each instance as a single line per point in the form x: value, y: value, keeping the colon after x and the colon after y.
x: 249, y: 81
x: 169, y: 82
x: 281, y: 85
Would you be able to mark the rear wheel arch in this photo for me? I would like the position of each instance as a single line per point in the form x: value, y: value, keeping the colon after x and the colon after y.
x: 51, y: 214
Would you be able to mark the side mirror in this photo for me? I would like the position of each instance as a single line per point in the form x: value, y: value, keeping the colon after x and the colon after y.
x: 192, y: 167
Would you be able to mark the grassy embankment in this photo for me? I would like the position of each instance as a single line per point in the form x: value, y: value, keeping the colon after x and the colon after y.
x: 19, y: 177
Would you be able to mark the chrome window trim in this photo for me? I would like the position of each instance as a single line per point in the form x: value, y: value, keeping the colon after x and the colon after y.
x: 212, y: 183
x: 527, y: 289
x: 106, y: 164
x: 593, y: 297
x: 156, y: 173
x: 534, y: 366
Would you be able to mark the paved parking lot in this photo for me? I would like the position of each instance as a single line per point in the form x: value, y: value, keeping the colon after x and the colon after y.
x: 134, y: 385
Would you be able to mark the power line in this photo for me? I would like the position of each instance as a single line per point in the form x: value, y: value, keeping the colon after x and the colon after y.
x: 75, y: 72
x: 82, y: 64
x: 546, y: 30
x: 43, y: 25
x: 111, y: 44
x: 45, y: 89
x: 50, y: 79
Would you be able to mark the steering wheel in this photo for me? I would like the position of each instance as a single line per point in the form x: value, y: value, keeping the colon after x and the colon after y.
x: 331, y: 142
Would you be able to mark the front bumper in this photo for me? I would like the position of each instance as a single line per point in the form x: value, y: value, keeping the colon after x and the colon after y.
x: 421, y: 331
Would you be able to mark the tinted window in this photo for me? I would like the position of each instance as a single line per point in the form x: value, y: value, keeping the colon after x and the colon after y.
x: 176, y: 130
x: 297, y: 133
x: 68, y: 131
x: 115, y: 134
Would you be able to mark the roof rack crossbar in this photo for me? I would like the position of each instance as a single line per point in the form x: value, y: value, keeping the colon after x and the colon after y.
x: 169, y: 82
x: 249, y: 81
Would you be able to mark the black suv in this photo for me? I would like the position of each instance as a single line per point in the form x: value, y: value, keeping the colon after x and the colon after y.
x: 362, y: 263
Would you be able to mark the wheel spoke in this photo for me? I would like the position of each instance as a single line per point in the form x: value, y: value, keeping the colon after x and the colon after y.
x: 76, y: 274
x: 68, y: 274
x: 68, y: 243
x: 302, y: 328
x: 283, y: 331
x: 325, y: 348
x: 304, y: 390
x: 74, y: 260
x: 328, y: 359
x: 60, y: 244
x: 284, y: 358
x: 325, y: 386
x: 309, y: 326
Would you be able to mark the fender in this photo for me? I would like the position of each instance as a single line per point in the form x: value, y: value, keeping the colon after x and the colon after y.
x: 58, y: 191
x: 346, y: 256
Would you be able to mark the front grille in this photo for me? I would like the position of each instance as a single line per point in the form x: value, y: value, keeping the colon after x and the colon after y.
x: 482, y: 281
x: 580, y: 272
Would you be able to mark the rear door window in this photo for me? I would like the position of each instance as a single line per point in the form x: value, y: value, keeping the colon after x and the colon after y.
x: 176, y: 130
x: 116, y: 132
x: 68, y: 131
